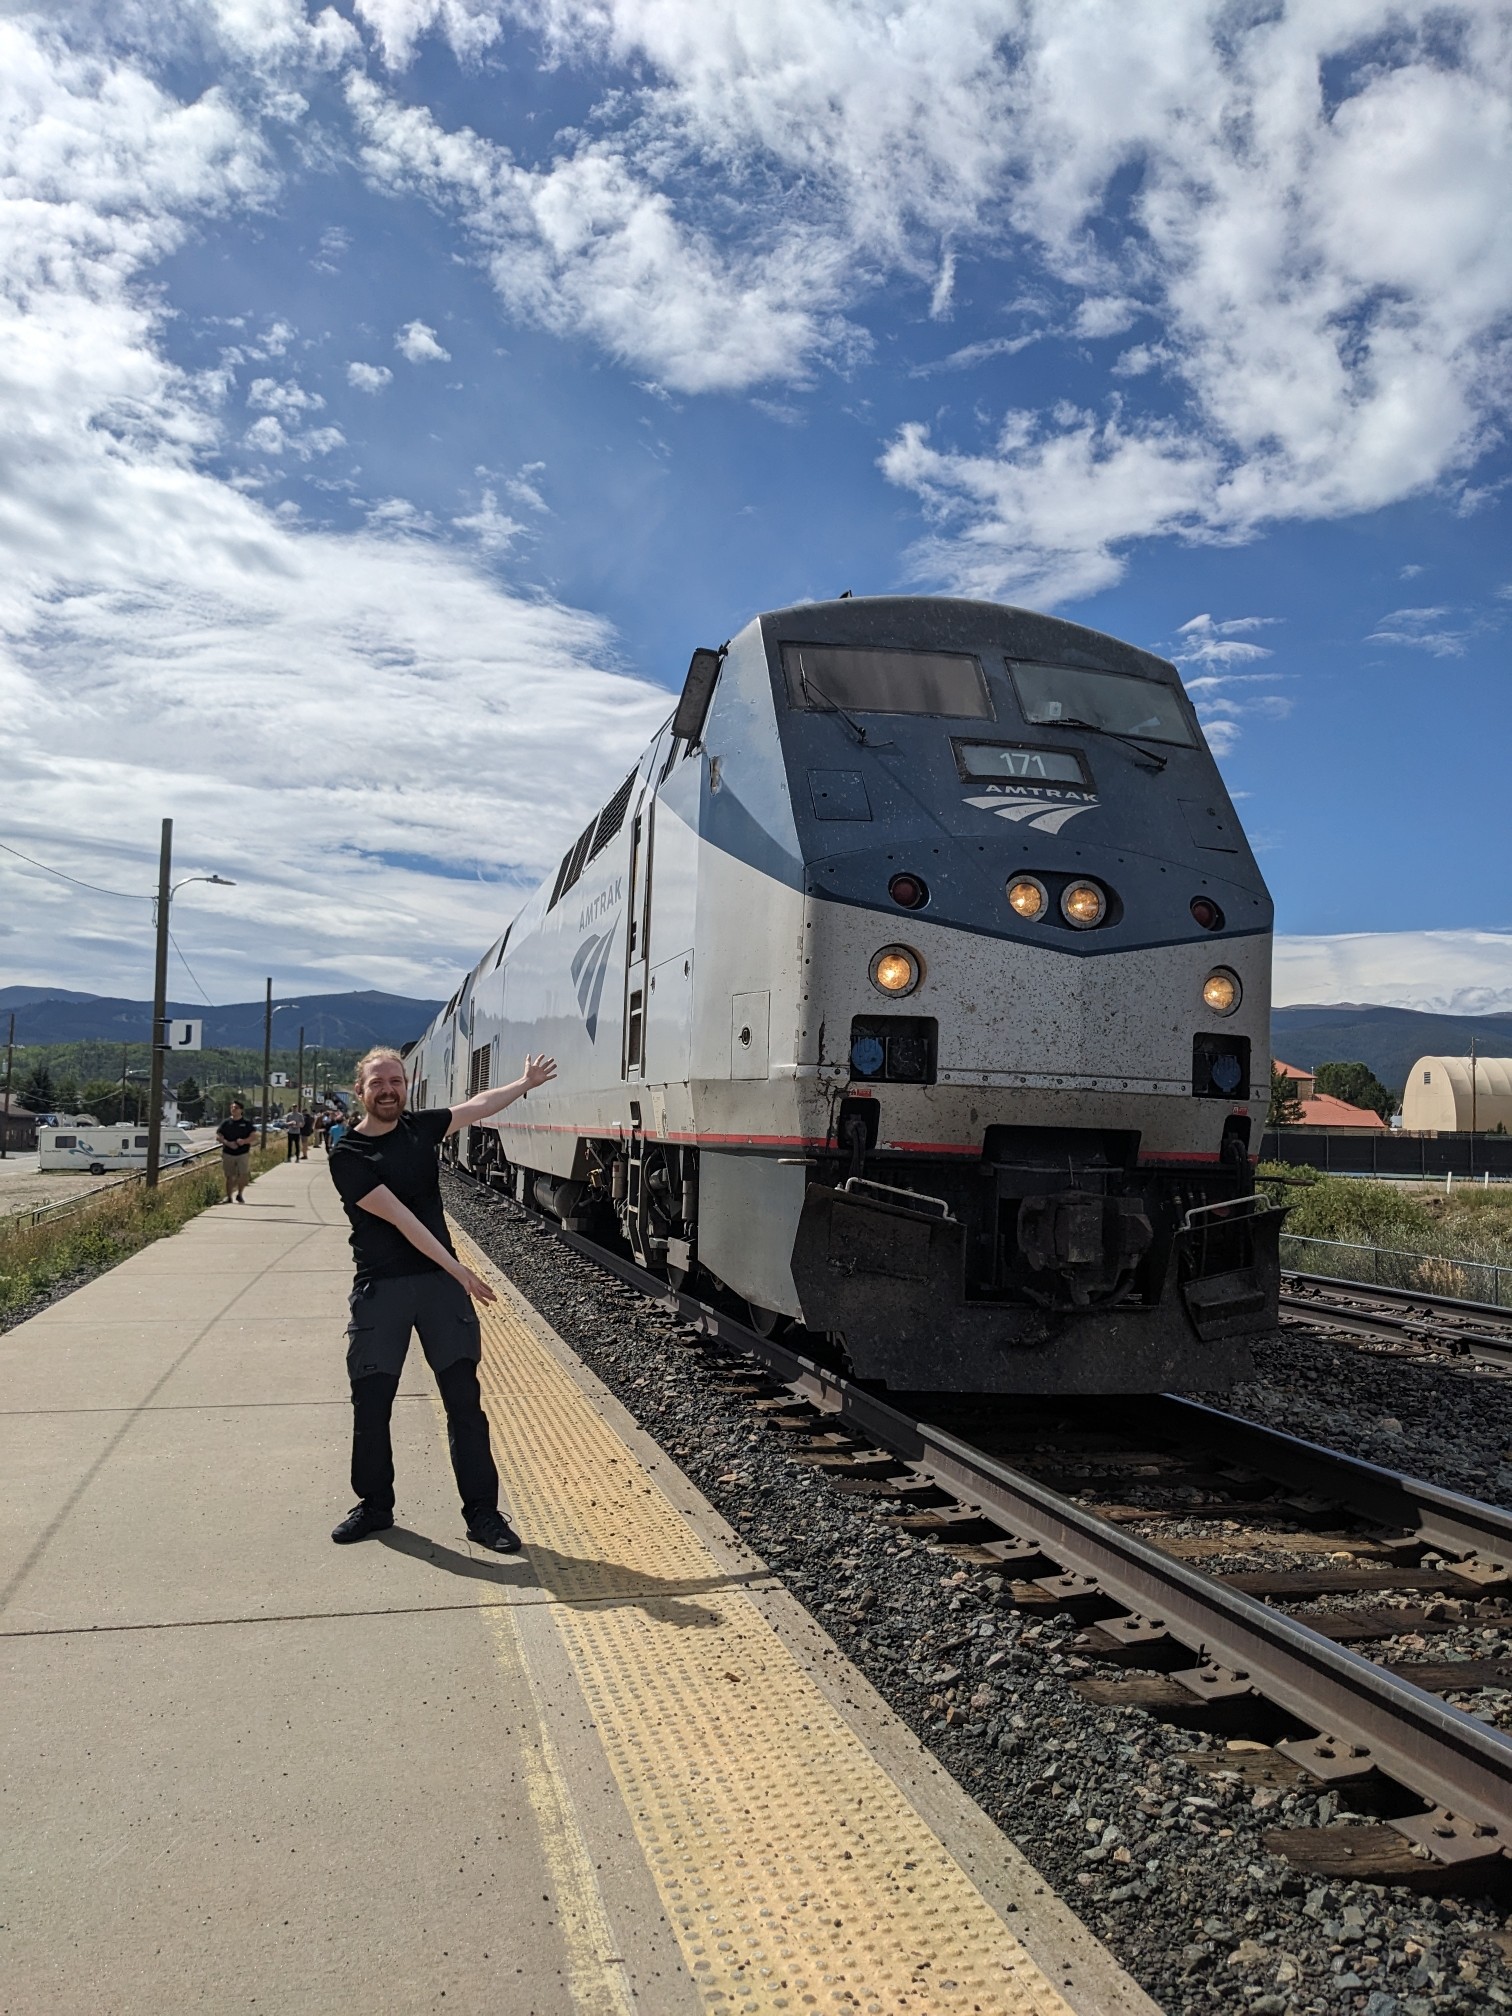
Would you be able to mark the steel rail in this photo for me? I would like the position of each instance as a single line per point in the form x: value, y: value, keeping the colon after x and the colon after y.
x: 1491, y: 1347
x: 1445, y: 1520
x: 68, y: 1207
x: 1451, y: 1759
x: 1448, y: 1305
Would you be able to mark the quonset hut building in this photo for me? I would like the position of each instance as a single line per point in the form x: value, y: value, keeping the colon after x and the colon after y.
x: 1440, y: 1097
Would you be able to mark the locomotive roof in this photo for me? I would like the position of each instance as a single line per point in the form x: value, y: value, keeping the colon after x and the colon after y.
x: 956, y: 622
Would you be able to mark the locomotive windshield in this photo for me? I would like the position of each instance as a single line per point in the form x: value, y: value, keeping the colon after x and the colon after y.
x: 833, y: 678
x: 1112, y: 701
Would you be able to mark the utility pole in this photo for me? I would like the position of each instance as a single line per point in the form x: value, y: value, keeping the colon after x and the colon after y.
x: 299, y: 1075
x: 159, y: 1006
x: 267, y: 1055
x: 1472, y: 1105
x: 10, y: 1051
x: 125, y: 1054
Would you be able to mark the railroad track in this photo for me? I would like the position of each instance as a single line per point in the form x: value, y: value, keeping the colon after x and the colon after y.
x: 1405, y: 1316
x: 1050, y: 1494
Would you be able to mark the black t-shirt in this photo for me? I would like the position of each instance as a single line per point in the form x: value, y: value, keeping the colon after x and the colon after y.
x: 235, y: 1136
x: 404, y: 1162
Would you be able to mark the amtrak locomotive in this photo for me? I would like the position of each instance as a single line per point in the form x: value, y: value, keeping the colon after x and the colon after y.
x: 914, y: 986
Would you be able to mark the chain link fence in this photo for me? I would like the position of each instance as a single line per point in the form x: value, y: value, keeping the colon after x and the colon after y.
x: 1386, y: 1267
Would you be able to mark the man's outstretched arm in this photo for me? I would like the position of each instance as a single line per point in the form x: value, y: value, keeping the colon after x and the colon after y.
x: 384, y: 1204
x: 484, y: 1105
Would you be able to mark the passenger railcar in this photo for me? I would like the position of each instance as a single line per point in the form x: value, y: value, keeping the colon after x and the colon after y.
x: 914, y: 986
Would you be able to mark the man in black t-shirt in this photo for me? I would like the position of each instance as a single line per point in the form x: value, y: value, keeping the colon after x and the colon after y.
x: 235, y: 1137
x: 409, y: 1279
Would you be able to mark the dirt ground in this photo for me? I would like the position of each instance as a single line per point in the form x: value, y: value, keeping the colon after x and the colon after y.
x: 23, y: 1186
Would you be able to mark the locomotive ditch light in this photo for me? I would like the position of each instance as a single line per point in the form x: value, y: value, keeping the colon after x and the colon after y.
x: 1028, y: 897
x: 910, y: 892
x: 896, y: 971
x: 1207, y: 913
x: 1221, y: 991
x: 1083, y: 904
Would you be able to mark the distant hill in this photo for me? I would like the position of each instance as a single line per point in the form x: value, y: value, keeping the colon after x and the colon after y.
x: 1389, y: 1040
x: 330, y: 1021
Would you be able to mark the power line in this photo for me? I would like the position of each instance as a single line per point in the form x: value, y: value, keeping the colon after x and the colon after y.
x: 190, y: 971
x: 126, y: 895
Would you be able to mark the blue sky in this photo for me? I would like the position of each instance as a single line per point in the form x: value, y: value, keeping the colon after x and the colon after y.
x: 392, y: 395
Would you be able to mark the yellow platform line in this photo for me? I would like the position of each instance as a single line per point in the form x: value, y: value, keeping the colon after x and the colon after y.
x: 796, y: 1875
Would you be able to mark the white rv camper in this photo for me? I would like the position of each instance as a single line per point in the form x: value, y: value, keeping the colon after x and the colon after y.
x: 94, y: 1150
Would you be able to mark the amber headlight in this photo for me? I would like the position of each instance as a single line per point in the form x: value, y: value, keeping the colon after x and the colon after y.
x: 895, y: 971
x: 1083, y: 904
x: 1028, y: 897
x: 1221, y: 991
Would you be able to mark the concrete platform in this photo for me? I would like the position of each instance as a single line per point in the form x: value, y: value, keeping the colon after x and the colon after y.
x: 243, y: 1769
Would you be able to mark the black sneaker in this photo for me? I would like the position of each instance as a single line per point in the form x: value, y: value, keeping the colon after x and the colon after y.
x: 359, y: 1522
x: 493, y: 1530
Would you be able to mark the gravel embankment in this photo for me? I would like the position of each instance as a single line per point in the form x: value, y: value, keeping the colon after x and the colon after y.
x: 1132, y: 1820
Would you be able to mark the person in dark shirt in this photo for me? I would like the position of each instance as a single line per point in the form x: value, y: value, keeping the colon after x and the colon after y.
x: 409, y: 1279
x: 235, y: 1137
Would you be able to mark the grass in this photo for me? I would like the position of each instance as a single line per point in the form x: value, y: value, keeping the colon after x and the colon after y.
x: 1468, y: 1223
x: 36, y: 1260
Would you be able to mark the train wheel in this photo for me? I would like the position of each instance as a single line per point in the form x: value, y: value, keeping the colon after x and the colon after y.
x: 765, y: 1322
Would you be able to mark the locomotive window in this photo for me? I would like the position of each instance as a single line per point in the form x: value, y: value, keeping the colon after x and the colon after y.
x: 1115, y: 701
x: 1016, y: 759
x: 824, y: 677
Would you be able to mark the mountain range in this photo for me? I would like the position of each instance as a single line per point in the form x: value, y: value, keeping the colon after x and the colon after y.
x: 330, y: 1021
x: 1389, y: 1040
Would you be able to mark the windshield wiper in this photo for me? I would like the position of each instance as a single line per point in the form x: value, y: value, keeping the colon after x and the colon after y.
x: 1152, y: 761
x: 833, y: 706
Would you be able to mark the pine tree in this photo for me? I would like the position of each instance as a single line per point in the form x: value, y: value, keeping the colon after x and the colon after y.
x: 36, y: 1094
x: 1285, y: 1106
x: 191, y: 1102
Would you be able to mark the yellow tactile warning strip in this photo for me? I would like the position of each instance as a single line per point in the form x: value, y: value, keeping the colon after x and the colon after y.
x: 796, y: 1875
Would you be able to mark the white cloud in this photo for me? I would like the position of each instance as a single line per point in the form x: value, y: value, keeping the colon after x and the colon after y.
x: 494, y: 530
x: 323, y: 715
x: 1423, y: 630
x: 418, y: 343
x: 1040, y: 515
x: 1454, y: 972
x: 1333, y: 281
x: 369, y: 377
x: 590, y: 249
x: 267, y: 395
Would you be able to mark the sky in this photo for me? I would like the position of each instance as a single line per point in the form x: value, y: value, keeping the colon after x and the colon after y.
x: 393, y: 394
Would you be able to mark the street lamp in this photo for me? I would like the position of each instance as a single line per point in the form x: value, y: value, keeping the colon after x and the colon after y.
x: 166, y: 892
x: 269, y: 1011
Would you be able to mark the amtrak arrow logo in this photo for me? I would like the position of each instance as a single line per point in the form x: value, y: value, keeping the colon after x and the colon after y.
x: 1032, y: 811
x: 589, y: 965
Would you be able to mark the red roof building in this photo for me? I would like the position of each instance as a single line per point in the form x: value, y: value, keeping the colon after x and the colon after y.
x: 1319, y: 1109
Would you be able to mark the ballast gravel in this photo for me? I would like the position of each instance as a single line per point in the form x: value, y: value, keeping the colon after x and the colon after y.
x: 1150, y: 1832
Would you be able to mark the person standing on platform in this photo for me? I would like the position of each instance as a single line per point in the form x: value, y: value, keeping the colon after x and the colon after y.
x: 293, y: 1122
x: 306, y: 1129
x: 387, y: 1174
x: 235, y: 1137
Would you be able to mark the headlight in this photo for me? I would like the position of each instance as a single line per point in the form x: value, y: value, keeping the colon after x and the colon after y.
x: 1221, y: 991
x: 895, y: 971
x: 1028, y: 897
x: 1083, y: 904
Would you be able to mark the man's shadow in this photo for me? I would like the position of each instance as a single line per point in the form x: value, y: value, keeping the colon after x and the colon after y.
x: 569, y: 1578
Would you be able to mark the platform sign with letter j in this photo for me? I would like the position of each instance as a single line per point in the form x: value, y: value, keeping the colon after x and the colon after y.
x: 185, y: 1035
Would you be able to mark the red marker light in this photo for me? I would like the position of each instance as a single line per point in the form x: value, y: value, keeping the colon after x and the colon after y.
x: 908, y: 892
x: 1207, y: 913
